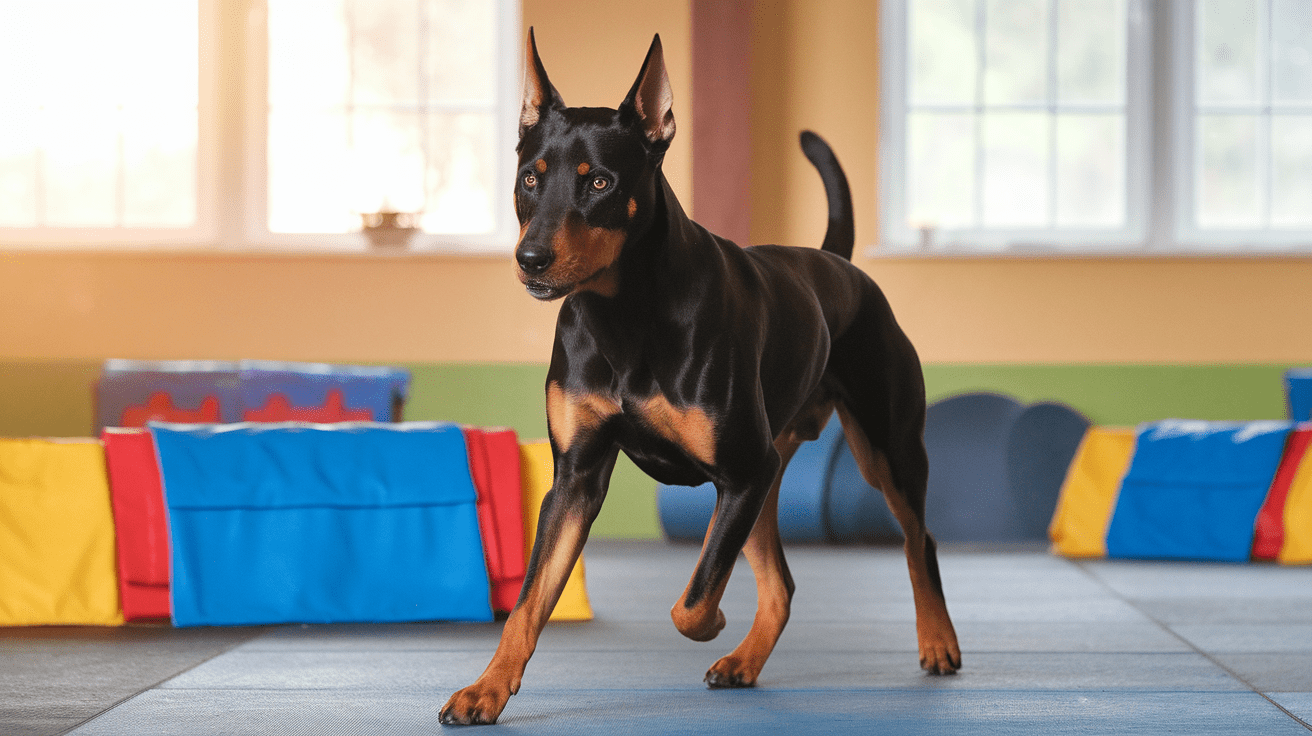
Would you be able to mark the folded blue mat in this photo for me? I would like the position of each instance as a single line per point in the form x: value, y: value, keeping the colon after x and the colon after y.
x: 274, y: 523
x: 1194, y: 489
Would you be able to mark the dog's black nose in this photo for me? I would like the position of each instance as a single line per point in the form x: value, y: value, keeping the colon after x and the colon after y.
x: 534, y: 260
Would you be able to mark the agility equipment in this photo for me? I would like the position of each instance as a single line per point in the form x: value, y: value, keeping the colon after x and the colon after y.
x: 275, y: 523
x: 56, y: 535
x: 1194, y: 489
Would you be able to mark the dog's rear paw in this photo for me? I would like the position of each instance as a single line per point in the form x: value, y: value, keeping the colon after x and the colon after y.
x: 730, y: 672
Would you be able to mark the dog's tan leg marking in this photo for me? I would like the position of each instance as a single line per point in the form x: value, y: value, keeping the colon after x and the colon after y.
x: 704, y: 621
x: 570, y: 414
x: 774, y: 588
x: 484, y: 700
x: 939, y: 651
x: 690, y: 429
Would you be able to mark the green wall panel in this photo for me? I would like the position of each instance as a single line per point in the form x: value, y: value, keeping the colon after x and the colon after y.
x: 56, y: 399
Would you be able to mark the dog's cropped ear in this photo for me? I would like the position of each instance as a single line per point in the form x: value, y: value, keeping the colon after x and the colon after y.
x: 539, y: 95
x: 651, y: 98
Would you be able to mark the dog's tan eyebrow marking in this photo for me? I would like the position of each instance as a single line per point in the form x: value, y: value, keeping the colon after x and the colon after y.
x: 633, y: 207
x: 584, y: 168
x: 541, y: 166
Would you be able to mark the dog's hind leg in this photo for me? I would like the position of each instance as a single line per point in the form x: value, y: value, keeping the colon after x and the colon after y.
x: 903, y: 485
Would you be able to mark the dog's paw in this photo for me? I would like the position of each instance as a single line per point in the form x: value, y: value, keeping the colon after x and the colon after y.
x: 730, y: 672
x: 476, y: 705
x: 940, y: 658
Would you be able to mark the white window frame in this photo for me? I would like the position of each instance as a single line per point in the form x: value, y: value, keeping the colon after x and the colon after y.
x: 231, y: 207
x: 1159, y: 192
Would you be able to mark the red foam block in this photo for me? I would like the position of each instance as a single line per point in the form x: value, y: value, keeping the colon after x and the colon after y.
x: 494, y: 465
x: 140, y: 523
x: 1269, y: 535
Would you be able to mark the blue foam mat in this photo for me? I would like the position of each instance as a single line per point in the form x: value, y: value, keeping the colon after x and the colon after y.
x: 275, y: 523
x: 1194, y: 488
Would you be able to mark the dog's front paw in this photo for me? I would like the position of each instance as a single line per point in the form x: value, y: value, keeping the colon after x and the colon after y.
x: 476, y: 705
x: 940, y: 658
x: 731, y: 671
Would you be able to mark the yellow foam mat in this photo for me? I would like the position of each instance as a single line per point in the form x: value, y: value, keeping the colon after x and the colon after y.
x: 1088, y: 495
x: 538, y: 471
x: 57, y: 563
x: 1297, y: 547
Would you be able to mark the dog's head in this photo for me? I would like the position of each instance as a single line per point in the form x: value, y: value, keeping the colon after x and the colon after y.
x: 587, y: 178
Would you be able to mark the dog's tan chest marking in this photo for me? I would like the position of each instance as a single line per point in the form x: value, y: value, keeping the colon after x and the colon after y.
x: 570, y: 414
x: 690, y: 428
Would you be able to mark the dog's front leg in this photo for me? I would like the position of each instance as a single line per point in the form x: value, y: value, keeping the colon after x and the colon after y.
x: 697, y: 614
x: 568, y: 511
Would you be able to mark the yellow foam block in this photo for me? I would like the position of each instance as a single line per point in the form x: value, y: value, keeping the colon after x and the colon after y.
x: 538, y: 470
x: 57, y: 563
x: 1297, y: 547
x: 1088, y: 495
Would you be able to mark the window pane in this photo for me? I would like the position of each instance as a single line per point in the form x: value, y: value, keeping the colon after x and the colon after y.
x: 307, y: 173
x: 943, y: 54
x: 81, y: 68
x: 1227, y: 194
x: 159, y: 167
x: 387, y: 162
x: 1016, y: 58
x: 389, y: 138
x: 1016, y: 169
x: 1091, y: 51
x: 385, y: 61
x: 309, y: 59
x: 80, y: 166
x: 461, y: 187
x: 1291, y: 196
x: 461, y: 50
x: 1090, y: 171
x: 1226, y: 51
x: 1291, y: 30
x: 941, y: 170
x: 18, y: 168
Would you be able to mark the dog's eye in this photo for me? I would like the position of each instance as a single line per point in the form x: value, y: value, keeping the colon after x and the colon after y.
x: 530, y: 181
x: 600, y: 183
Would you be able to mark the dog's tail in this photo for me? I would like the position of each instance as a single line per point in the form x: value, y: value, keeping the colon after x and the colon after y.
x: 841, y: 235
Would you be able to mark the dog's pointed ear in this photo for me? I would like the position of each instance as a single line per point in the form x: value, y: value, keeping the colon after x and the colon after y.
x: 651, y: 98
x: 539, y: 95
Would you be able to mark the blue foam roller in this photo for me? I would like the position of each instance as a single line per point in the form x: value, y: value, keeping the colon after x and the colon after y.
x: 1194, y: 488
x: 1043, y: 442
x: 855, y: 511
x: 685, y: 510
x: 1298, y: 391
x: 275, y: 523
x: 969, y: 497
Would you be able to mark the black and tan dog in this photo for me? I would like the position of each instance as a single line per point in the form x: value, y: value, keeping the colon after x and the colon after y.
x: 701, y: 361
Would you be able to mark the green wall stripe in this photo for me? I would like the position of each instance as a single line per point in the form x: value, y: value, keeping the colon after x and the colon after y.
x: 56, y: 399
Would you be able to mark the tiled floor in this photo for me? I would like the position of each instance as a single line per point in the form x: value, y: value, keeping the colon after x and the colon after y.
x: 1051, y: 647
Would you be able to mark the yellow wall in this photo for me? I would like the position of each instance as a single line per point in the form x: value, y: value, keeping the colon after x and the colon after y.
x: 815, y: 64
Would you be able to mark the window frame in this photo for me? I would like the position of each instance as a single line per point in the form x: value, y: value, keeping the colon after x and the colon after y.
x: 231, y: 156
x: 1159, y: 178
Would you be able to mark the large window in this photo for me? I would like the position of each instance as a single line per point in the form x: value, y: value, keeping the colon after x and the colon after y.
x: 256, y: 123
x: 1078, y: 125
